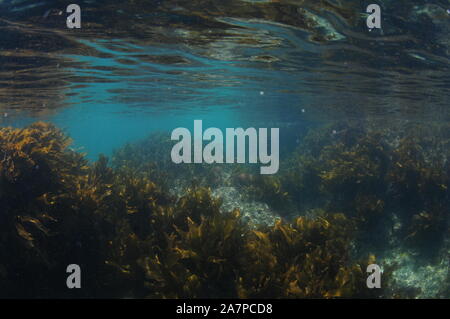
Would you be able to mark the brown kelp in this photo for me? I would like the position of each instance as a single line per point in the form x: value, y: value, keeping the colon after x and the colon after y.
x: 219, y: 256
x: 307, y: 258
x: 151, y: 158
x: 131, y: 239
x: 57, y: 210
x: 377, y: 177
x: 39, y: 177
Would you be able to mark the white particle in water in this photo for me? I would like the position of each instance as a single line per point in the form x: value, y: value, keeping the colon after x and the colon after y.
x: 261, y: 93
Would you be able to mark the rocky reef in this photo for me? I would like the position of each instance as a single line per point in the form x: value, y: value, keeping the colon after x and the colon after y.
x: 345, y: 196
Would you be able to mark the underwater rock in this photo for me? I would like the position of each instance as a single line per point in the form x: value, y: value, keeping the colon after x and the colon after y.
x: 256, y: 213
x: 138, y: 240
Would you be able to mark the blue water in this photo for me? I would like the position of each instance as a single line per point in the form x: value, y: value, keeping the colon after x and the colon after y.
x: 155, y: 100
x: 140, y: 67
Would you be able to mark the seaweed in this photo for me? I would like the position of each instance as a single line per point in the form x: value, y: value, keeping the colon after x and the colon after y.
x: 132, y: 238
x: 377, y: 177
x: 201, y: 255
x: 150, y: 157
x: 219, y: 256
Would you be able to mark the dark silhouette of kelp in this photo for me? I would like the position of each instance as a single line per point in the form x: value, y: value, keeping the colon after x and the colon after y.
x: 371, y: 175
x: 133, y: 240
